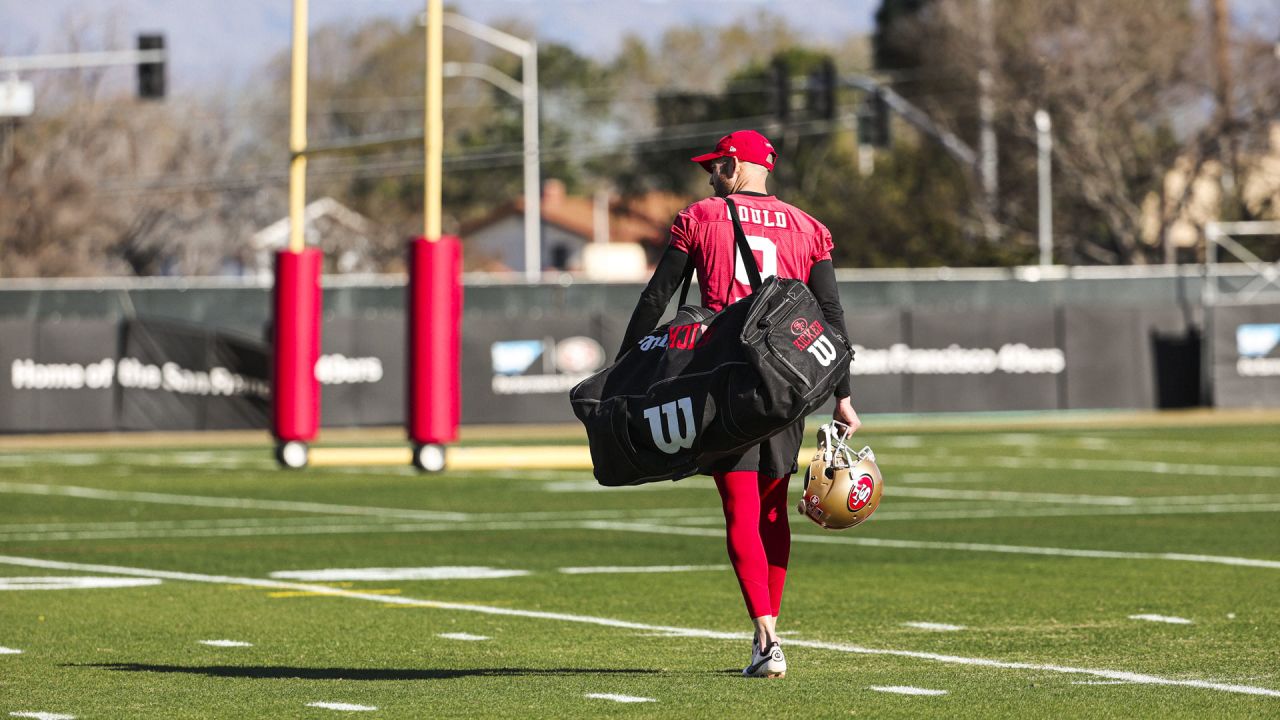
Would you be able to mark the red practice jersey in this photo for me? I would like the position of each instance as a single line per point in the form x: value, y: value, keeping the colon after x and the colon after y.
x: 785, y: 240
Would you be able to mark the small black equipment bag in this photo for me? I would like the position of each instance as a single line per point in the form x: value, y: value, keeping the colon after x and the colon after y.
x: 710, y: 385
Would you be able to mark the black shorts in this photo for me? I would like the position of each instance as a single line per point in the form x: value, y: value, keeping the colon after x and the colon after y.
x: 773, y: 458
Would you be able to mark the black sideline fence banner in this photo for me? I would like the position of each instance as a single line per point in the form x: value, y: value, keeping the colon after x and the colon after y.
x: 177, y: 376
x: 1246, y: 355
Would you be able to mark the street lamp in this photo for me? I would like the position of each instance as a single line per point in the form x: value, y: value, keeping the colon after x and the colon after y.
x: 527, y: 92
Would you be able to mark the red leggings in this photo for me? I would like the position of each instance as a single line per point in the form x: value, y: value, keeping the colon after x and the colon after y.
x: 759, y: 538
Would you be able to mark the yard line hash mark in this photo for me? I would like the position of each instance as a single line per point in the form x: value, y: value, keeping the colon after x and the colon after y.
x: 463, y: 636
x: 348, y: 707
x: 629, y: 625
x: 906, y: 690
x: 619, y: 698
x: 1161, y: 619
x: 226, y: 643
x: 942, y: 627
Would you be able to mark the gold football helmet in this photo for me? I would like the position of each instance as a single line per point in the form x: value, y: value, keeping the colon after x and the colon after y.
x: 841, y: 489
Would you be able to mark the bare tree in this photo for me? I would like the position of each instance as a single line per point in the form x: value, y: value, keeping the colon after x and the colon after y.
x: 1129, y: 87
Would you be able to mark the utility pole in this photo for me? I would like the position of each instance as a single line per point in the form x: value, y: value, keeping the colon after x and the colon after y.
x: 1044, y: 172
x: 989, y: 162
x: 1221, y: 16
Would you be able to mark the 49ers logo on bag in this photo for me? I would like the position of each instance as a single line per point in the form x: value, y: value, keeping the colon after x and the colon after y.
x: 860, y: 493
x: 807, y: 331
x: 813, y: 341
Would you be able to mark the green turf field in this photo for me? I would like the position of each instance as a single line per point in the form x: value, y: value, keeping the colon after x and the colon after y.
x: 1042, y: 549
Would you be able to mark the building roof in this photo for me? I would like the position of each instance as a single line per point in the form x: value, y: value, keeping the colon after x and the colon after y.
x: 642, y: 219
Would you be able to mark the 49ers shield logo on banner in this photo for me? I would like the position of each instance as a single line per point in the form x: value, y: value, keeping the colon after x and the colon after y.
x: 860, y: 493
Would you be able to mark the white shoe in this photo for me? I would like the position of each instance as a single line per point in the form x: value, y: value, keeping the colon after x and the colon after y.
x: 767, y: 664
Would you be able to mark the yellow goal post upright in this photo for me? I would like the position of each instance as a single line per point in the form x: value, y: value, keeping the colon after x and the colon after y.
x: 434, y: 296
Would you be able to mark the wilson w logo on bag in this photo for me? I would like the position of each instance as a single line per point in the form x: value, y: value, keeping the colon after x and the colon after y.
x: 709, y: 385
x: 676, y: 436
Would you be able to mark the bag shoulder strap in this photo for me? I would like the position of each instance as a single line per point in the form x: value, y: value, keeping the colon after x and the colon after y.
x: 744, y: 249
x: 688, y: 278
x: 748, y: 257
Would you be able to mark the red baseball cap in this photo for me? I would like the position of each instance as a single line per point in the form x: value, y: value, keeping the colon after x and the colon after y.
x: 746, y: 145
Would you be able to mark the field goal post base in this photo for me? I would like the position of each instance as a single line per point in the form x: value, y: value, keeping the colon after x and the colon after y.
x: 292, y: 454
x: 428, y: 457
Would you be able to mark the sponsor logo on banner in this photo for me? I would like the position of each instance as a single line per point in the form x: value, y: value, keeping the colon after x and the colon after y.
x: 27, y: 374
x: 1010, y: 358
x: 339, y: 369
x: 535, y: 367
x: 1258, y: 345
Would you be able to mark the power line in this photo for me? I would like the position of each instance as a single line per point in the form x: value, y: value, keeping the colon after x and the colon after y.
x: 463, y: 161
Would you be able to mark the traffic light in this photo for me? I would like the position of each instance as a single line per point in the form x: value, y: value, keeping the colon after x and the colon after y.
x: 874, y: 121
x: 822, y: 91
x: 151, y: 79
x: 780, y: 89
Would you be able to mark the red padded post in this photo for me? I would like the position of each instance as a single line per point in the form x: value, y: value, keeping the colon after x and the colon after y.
x: 435, y: 340
x: 296, y: 306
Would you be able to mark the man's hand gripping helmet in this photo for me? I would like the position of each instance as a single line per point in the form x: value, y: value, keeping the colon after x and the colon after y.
x: 841, y: 489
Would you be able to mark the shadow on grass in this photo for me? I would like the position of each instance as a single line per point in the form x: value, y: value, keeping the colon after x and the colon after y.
x: 259, y: 672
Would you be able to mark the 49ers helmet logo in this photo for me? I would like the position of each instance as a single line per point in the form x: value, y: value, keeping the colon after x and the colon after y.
x: 860, y: 493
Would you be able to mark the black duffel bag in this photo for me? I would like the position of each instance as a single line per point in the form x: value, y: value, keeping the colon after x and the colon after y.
x: 710, y: 385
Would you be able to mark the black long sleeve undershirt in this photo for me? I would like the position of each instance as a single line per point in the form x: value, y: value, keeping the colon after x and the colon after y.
x: 670, y: 273
x: 655, y: 297
x: 822, y: 282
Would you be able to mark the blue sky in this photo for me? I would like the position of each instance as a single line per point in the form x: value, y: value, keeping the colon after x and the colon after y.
x: 221, y: 42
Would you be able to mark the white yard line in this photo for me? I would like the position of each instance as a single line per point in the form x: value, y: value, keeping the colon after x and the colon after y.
x: 345, y: 526
x: 351, y: 529
x: 1070, y: 511
x: 45, y: 582
x: 622, y: 569
x: 189, y: 523
x: 458, y: 521
x: 224, y: 502
x: 573, y: 486
x: 385, y: 574
x: 42, y: 716
x: 1161, y: 619
x: 628, y: 625
x: 1077, y: 499
x: 939, y: 545
x: 10, y: 651
x: 226, y: 643
x: 1096, y: 464
x: 921, y: 475
x: 305, y: 507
